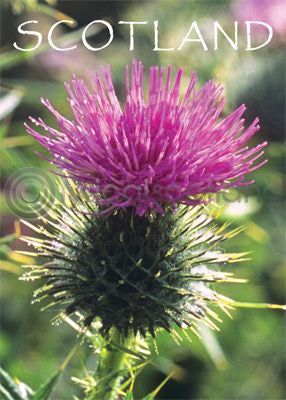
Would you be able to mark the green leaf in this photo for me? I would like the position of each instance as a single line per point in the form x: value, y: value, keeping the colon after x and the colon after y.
x: 8, y: 386
x: 3, y: 130
x: 44, y: 392
x: 7, y: 239
x: 149, y: 396
x: 12, y: 159
x: 128, y: 396
x: 126, y: 350
x: 152, y: 395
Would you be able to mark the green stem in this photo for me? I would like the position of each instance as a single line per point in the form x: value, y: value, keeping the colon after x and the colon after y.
x: 111, y: 362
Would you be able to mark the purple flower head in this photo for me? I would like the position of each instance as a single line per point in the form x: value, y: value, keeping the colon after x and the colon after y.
x: 160, y: 150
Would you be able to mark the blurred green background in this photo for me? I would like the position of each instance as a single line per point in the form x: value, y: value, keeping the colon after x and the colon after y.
x: 246, y: 360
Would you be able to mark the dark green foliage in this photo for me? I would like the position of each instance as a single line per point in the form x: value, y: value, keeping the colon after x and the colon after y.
x: 130, y: 272
x: 11, y: 389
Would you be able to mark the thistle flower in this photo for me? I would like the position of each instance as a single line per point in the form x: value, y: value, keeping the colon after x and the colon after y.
x: 153, y: 153
x: 133, y: 273
x: 133, y: 270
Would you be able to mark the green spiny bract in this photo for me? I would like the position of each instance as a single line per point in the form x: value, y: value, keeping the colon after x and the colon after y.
x: 133, y: 273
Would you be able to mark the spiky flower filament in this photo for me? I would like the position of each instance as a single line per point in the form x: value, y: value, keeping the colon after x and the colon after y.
x: 160, y: 149
x: 133, y: 273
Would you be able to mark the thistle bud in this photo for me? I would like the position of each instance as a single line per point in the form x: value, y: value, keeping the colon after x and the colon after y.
x: 133, y: 273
